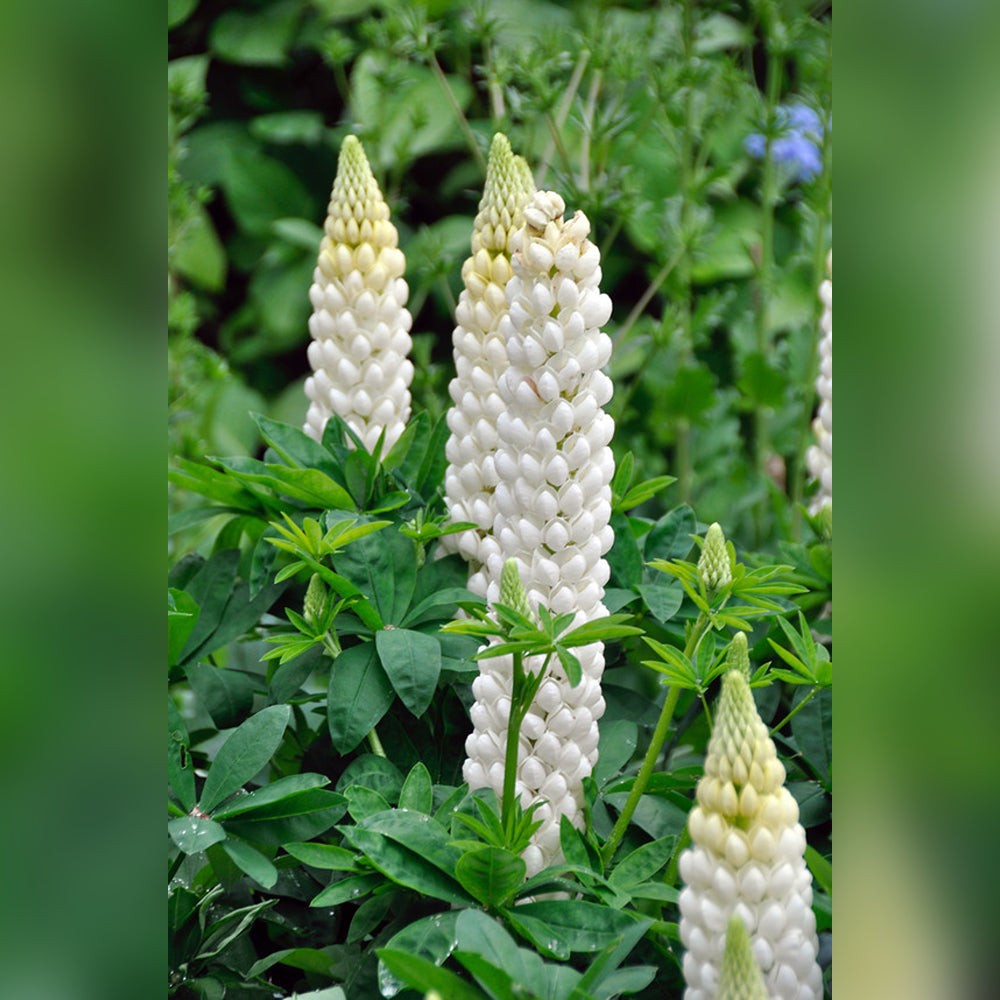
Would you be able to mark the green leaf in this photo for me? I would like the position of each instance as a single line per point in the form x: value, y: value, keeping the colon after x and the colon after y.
x: 374, y: 772
x: 642, y: 863
x: 269, y: 794
x: 418, y: 790
x: 659, y: 817
x: 642, y: 492
x: 447, y: 597
x: 548, y: 940
x: 624, y: 558
x: 348, y: 889
x: 432, y: 938
x: 476, y: 932
x: 491, y: 874
x: 295, y: 446
x: 181, y: 620
x: 425, y: 976
x: 812, y: 728
x: 326, y: 856
x: 360, y: 694
x: 583, y: 926
x: 310, y: 486
x: 615, y: 748
x: 412, y: 662
x: 258, y: 38
x: 821, y: 868
x: 195, y: 833
x: 363, y: 802
x: 383, y: 566
x: 226, y: 695
x: 498, y: 983
x: 198, y: 254
x: 420, y: 834
x: 670, y: 537
x: 307, y: 959
x: 180, y: 770
x: 251, y: 861
x: 246, y: 750
x: 404, y: 866
x: 662, y: 599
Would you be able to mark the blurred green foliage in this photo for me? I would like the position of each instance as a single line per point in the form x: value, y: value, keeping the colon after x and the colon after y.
x: 636, y: 114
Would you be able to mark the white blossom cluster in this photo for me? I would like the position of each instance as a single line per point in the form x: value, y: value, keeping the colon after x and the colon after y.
x: 553, y: 505
x: 819, y: 457
x: 747, y: 858
x: 481, y: 358
x: 360, y: 324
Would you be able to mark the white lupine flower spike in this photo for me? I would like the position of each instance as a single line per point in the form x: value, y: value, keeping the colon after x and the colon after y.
x: 481, y: 358
x: 360, y: 324
x: 553, y: 503
x: 819, y: 457
x: 747, y: 859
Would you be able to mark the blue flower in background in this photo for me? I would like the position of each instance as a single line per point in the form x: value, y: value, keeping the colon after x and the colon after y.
x: 797, y: 146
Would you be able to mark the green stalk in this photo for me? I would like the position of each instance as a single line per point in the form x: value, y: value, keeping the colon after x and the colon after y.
x: 765, y: 277
x: 555, y: 125
x: 805, y: 701
x: 510, y: 753
x: 653, y: 752
x: 375, y: 743
x: 463, y: 122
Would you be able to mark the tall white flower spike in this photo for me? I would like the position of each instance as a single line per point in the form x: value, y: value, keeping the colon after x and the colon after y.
x: 819, y: 457
x: 553, y: 503
x: 747, y: 860
x: 360, y: 324
x: 481, y: 358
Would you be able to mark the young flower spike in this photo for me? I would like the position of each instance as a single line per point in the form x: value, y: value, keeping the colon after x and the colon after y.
x: 819, y: 457
x: 747, y: 858
x: 553, y: 503
x: 740, y: 978
x: 713, y: 564
x: 481, y: 358
x: 360, y: 325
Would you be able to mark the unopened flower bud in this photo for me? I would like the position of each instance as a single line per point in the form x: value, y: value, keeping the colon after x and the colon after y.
x: 512, y: 592
x: 740, y: 977
x: 713, y: 565
x: 312, y: 606
x: 737, y: 657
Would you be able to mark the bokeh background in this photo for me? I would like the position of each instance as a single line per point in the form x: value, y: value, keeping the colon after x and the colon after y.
x: 86, y: 385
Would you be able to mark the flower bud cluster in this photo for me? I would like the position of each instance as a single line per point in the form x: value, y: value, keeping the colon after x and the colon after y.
x: 553, y: 506
x: 747, y: 859
x: 360, y: 324
x: 740, y: 977
x: 713, y: 565
x: 481, y: 358
x: 819, y: 457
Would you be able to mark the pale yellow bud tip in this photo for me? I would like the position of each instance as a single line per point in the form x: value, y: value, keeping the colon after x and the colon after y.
x: 713, y: 566
x: 512, y: 592
x: 738, y: 657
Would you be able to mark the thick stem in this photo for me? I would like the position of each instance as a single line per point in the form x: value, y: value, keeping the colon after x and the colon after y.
x: 653, y: 752
x: 511, y: 750
x: 375, y: 743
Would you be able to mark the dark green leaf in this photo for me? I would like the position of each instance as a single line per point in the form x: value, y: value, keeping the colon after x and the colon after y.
x: 812, y: 728
x: 491, y: 874
x: 181, y: 620
x: 351, y: 888
x: 250, y: 860
x: 405, y: 867
x: 256, y: 38
x: 615, y: 748
x: 418, y: 790
x: 295, y: 446
x: 821, y: 868
x: 624, y: 558
x: 383, y: 566
x: 226, y: 695
x: 642, y: 863
x: 498, y: 983
x: 420, y: 834
x: 431, y: 938
x: 548, y: 940
x: 662, y: 599
x: 670, y: 537
x: 180, y: 770
x: 583, y: 926
x: 426, y: 976
x: 195, y: 833
x: 762, y: 384
x: 412, y: 661
x: 360, y: 694
x: 374, y: 772
x: 246, y: 750
x: 269, y: 794
x: 659, y: 817
x: 310, y: 486
x: 327, y: 856
x: 363, y: 802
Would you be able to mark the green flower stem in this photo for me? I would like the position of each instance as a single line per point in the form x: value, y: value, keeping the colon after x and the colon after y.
x: 510, y: 754
x: 375, y: 743
x: 653, y: 752
x: 555, y: 125
x: 805, y: 701
x: 463, y: 122
x: 765, y: 272
x: 654, y: 286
